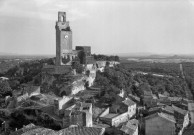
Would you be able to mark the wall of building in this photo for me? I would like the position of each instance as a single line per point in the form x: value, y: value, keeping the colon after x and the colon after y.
x: 132, y: 110
x: 77, y: 88
x: 63, y: 101
x: 124, y: 117
x: 106, y: 111
x: 186, y: 120
x: 159, y: 126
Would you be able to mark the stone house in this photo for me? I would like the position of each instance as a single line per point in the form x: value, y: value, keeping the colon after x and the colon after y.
x: 113, y: 63
x: 61, y: 103
x: 182, y: 118
x: 78, y: 114
x: 131, y: 107
x: 160, y: 124
x: 28, y: 91
x: 77, y: 87
x: 74, y: 87
x: 127, y: 110
x: 100, y: 64
x: 131, y: 127
x: 148, y: 99
x: 101, y: 69
x: 113, y: 119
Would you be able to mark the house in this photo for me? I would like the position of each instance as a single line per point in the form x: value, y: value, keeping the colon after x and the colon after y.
x: 78, y: 114
x: 77, y: 86
x: 81, y: 131
x: 31, y: 89
x: 168, y: 109
x: 122, y: 93
x: 126, y: 110
x: 191, y: 111
x: 28, y: 91
x: 163, y: 99
x: 113, y: 63
x: 22, y: 97
x: 182, y: 118
x: 148, y: 98
x: 31, y: 129
x: 89, y: 80
x: 131, y: 127
x: 100, y: 64
x: 134, y: 98
x: 101, y: 69
x: 160, y: 124
x: 154, y: 110
x: 61, y: 103
x: 131, y: 107
x: 114, y: 119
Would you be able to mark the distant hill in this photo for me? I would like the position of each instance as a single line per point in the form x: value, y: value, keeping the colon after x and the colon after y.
x: 4, y: 54
x: 139, y: 54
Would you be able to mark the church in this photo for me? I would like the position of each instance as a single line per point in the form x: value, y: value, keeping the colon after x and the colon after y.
x: 65, y: 55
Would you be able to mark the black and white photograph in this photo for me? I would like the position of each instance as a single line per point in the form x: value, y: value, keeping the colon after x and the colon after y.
x: 96, y: 67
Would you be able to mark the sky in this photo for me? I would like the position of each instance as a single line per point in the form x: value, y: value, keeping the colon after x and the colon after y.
x: 108, y: 26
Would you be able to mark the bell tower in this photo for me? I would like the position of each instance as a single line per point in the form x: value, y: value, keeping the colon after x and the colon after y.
x: 63, y: 38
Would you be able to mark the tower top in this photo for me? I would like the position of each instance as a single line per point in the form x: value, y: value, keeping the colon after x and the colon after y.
x: 61, y: 16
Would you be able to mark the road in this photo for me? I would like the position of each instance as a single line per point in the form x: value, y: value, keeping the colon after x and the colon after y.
x: 188, y: 91
x: 189, y: 96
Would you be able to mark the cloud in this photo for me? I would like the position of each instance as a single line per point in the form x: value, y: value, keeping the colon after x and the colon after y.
x: 43, y: 9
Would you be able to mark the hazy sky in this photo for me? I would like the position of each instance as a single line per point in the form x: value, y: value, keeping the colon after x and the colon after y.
x: 116, y: 26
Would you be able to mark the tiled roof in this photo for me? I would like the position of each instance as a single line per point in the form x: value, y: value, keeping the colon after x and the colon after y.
x: 81, y: 131
x: 110, y: 115
x: 167, y: 116
x: 169, y: 109
x: 162, y: 115
x: 129, y: 102
x: 127, y: 130
x: 175, y: 98
x: 130, y: 127
x: 31, y: 129
x: 179, y: 110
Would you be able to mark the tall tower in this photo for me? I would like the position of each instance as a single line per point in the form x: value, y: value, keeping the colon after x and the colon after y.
x: 63, y: 38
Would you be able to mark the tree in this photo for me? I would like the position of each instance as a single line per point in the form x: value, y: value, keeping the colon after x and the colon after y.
x: 4, y: 88
x: 78, y: 67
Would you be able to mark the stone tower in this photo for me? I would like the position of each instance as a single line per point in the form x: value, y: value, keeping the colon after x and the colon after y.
x: 63, y: 38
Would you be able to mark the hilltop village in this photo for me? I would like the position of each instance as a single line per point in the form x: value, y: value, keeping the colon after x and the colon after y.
x: 72, y: 96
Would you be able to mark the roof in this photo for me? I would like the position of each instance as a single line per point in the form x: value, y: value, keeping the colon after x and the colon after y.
x: 130, y: 127
x: 162, y: 115
x: 81, y: 131
x: 31, y: 88
x: 110, y: 115
x: 31, y: 129
x: 127, y: 130
x: 101, y: 125
x: 175, y: 98
x: 154, y: 109
x: 80, y: 106
x: 129, y: 102
x: 179, y: 110
x: 169, y: 109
